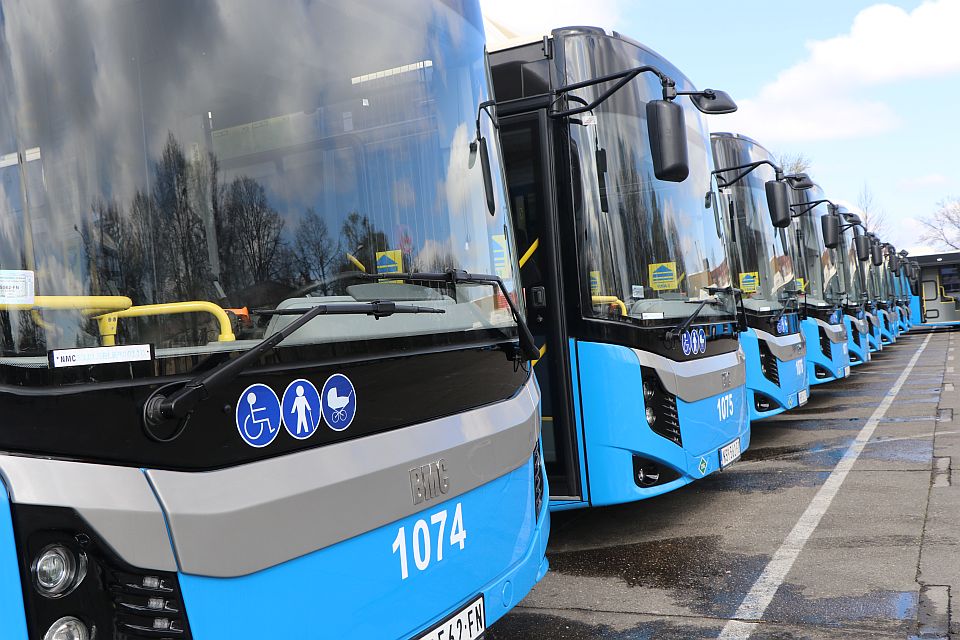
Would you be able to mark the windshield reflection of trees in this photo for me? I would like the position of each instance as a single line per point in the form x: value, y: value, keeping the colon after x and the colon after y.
x: 194, y: 237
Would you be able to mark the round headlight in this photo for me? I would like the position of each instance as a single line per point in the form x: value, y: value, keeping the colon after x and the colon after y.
x: 57, y: 570
x: 647, y: 391
x: 67, y: 628
x: 651, y: 417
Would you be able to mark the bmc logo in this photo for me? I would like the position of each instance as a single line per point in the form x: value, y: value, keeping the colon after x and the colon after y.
x: 429, y: 481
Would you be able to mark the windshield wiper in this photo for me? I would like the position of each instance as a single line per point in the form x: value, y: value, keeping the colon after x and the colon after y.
x: 673, y: 334
x: 528, y: 347
x: 160, y: 408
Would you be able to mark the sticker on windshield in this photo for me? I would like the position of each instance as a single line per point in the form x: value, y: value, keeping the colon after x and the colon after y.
x: 339, y: 402
x: 686, y: 343
x: 749, y: 281
x: 594, y: 283
x: 663, y: 276
x: 783, y: 325
x: 702, y: 340
x: 301, y: 409
x: 636, y: 291
x: 16, y: 287
x: 389, y: 261
x: 500, y: 249
x: 258, y: 415
x: 802, y: 285
x: 86, y: 357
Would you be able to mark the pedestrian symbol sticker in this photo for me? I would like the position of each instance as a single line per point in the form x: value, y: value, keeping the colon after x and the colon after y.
x: 301, y: 409
x: 749, y: 281
x: 663, y: 276
x: 389, y: 261
x: 258, y: 415
x: 339, y: 402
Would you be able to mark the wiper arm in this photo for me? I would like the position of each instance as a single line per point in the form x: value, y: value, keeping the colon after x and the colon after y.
x: 178, y: 405
x: 528, y: 347
x: 792, y: 301
x: 673, y: 334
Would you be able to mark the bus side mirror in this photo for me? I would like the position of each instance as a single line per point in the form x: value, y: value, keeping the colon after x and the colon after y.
x: 894, y: 262
x: 830, y: 224
x: 863, y: 247
x: 778, y: 202
x: 876, y: 254
x: 668, y: 140
x: 713, y: 101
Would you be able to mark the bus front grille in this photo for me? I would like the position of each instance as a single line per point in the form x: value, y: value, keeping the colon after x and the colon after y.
x: 768, y: 364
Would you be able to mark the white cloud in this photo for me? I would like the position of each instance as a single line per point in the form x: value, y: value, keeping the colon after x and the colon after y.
x: 535, y: 18
x: 831, y: 93
x: 920, y: 182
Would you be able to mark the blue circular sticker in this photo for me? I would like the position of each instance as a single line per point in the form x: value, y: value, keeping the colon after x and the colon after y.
x: 702, y: 335
x: 783, y: 324
x: 301, y: 409
x: 339, y: 401
x: 685, y: 343
x: 258, y: 415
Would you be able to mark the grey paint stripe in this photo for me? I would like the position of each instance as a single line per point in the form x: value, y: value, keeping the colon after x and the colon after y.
x: 695, y: 380
x: 785, y: 348
x: 115, y: 501
x: 236, y: 521
x: 836, y: 332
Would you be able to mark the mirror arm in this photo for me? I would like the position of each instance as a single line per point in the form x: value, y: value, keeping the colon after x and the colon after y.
x: 723, y: 182
x: 622, y: 78
x: 808, y: 206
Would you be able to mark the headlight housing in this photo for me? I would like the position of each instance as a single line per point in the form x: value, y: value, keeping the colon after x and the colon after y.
x: 67, y: 628
x: 56, y: 571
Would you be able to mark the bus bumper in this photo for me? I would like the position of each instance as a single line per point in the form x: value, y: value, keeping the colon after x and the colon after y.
x: 765, y: 396
x: 823, y: 367
x: 857, y: 340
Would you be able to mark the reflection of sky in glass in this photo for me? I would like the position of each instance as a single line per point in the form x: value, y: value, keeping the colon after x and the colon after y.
x: 237, y: 151
x: 820, y: 264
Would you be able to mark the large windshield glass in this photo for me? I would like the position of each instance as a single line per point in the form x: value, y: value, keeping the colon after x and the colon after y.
x: 646, y: 246
x: 851, y: 266
x: 763, y: 267
x: 243, y: 153
x: 820, y: 274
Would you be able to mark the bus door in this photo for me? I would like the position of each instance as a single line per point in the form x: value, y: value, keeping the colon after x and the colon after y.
x: 528, y: 161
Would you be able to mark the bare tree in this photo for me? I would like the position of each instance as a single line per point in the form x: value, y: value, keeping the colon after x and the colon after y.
x: 874, y: 218
x: 314, y: 250
x: 943, y: 227
x: 794, y: 162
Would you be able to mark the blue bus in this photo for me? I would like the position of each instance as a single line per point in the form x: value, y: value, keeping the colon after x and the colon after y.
x: 853, y: 252
x: 263, y: 370
x: 823, y: 326
x: 626, y: 280
x: 886, y: 314
x: 899, y: 268
x: 761, y: 261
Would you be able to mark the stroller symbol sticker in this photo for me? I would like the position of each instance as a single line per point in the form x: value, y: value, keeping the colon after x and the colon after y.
x: 258, y: 415
x: 339, y: 402
x: 301, y: 409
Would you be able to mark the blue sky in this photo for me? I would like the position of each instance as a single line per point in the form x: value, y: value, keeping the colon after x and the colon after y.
x: 870, y: 92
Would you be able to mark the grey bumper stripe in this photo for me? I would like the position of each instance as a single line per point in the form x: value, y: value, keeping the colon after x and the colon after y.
x: 116, y: 501
x: 695, y: 380
x: 785, y: 348
x: 236, y: 521
x: 836, y: 332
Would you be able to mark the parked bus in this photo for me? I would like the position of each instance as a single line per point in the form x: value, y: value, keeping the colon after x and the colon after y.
x: 939, y: 276
x: 821, y: 282
x: 881, y: 292
x: 627, y: 284
x: 762, y: 268
x: 853, y: 253
x: 262, y: 372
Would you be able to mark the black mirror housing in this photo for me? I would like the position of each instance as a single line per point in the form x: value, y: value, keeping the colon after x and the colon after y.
x: 852, y: 218
x: 778, y: 202
x: 830, y: 225
x: 876, y: 254
x: 800, y: 182
x: 894, y: 262
x: 863, y: 247
x: 713, y: 101
x: 667, y: 130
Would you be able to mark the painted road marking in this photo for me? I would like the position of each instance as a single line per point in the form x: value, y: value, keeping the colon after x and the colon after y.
x: 757, y: 600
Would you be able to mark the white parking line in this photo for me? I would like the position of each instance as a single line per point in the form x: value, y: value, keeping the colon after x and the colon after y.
x: 761, y: 594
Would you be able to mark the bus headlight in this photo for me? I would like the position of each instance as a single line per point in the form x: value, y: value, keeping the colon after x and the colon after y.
x: 67, y: 628
x: 57, y: 571
x: 651, y: 416
x: 647, y: 391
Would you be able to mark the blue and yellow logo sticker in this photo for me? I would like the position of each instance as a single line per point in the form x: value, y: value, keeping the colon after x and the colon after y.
x: 500, y: 250
x: 802, y: 285
x: 390, y: 261
x: 663, y: 276
x: 749, y: 281
x: 594, y: 283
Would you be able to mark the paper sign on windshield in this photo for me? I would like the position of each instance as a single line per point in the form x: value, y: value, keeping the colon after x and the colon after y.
x: 749, y: 281
x: 663, y: 276
x: 16, y: 287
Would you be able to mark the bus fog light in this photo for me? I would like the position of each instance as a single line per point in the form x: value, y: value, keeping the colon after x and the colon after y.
x: 67, y: 628
x: 57, y: 570
x: 651, y: 417
x: 647, y: 391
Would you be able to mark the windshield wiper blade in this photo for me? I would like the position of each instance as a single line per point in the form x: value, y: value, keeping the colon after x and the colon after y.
x: 528, y: 347
x: 673, y: 334
x: 160, y: 407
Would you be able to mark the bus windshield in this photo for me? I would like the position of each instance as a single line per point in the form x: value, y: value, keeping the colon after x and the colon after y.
x: 762, y: 261
x: 820, y: 273
x: 247, y: 155
x: 647, y: 246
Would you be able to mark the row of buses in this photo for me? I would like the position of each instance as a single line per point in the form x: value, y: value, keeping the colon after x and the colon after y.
x: 312, y: 312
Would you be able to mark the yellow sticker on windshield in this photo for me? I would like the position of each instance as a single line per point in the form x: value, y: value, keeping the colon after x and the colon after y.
x: 501, y: 256
x: 390, y: 261
x: 663, y: 276
x: 802, y: 285
x: 594, y: 283
x: 749, y: 281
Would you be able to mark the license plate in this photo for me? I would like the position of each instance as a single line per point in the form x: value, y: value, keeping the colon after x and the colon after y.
x: 846, y: 371
x: 729, y: 453
x: 802, y: 396
x: 468, y: 623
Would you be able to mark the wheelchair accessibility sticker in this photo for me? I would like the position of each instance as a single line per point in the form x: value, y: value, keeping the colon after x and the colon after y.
x: 339, y: 402
x: 258, y: 415
x: 301, y: 409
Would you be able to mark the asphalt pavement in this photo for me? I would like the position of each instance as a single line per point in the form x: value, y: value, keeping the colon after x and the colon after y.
x: 842, y: 520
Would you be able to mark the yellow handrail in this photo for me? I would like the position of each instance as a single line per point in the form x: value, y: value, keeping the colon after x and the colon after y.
x: 107, y: 323
x: 75, y: 303
x: 611, y: 300
x: 359, y: 265
x: 529, y: 252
